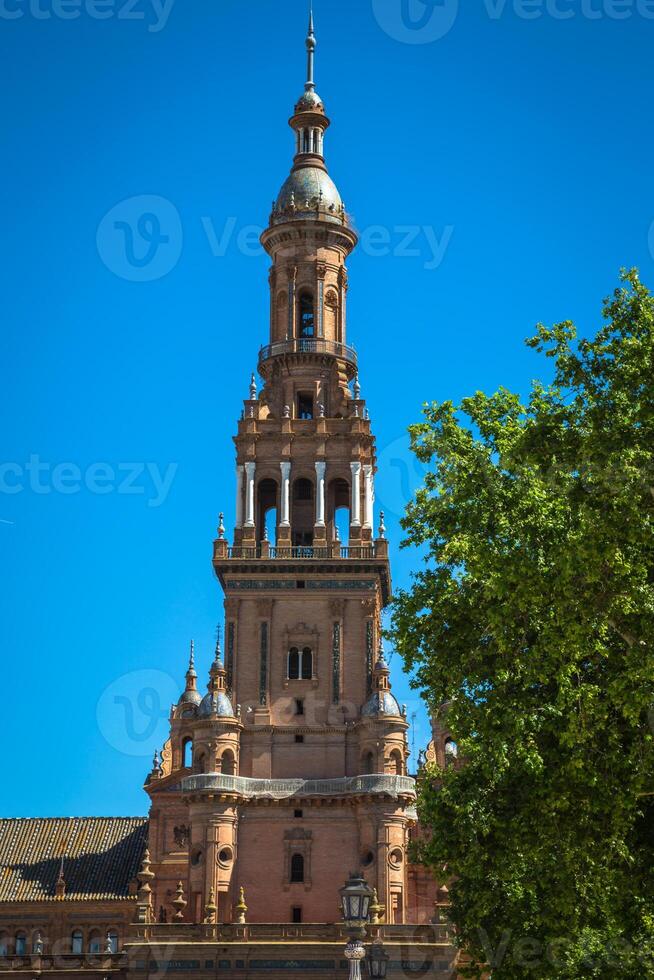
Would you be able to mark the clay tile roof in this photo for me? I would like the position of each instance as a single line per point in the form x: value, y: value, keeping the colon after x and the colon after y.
x: 102, y: 855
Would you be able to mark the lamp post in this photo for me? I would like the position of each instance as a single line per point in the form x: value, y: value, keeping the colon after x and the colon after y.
x: 355, y: 902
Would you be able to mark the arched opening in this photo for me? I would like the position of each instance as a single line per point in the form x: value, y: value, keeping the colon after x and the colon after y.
x: 187, y: 753
x: 368, y: 764
x: 339, y: 510
x: 200, y: 762
x: 267, y: 496
x: 293, y: 664
x: 95, y: 942
x: 307, y: 664
x: 303, y: 513
x: 112, y: 941
x: 451, y: 752
x: 397, y: 763
x: 228, y: 763
x: 20, y: 944
x: 4, y: 944
x: 307, y: 318
x: 297, y: 869
x: 77, y: 942
x: 305, y: 140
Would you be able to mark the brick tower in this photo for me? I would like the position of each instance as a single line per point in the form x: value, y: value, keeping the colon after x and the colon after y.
x: 291, y: 771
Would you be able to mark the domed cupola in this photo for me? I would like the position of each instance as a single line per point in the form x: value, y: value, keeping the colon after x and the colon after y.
x: 216, y: 704
x: 309, y: 191
x: 381, y: 702
x: 191, y: 694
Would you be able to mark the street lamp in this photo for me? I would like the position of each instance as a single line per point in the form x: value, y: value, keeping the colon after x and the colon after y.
x: 355, y: 902
x: 377, y: 961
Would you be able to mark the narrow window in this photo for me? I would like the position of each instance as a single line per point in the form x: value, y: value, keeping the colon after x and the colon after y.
x: 298, y: 814
x: 112, y: 941
x: 95, y: 943
x: 77, y: 942
x: 299, y: 707
x: 297, y: 869
x: 305, y: 407
x: 368, y: 763
x: 396, y: 763
x: 307, y: 317
x: 4, y: 944
x: 299, y: 739
x: 293, y: 664
x: 21, y: 944
x: 303, y: 490
x: 307, y: 664
x: 296, y: 913
x: 187, y: 753
x: 228, y: 763
x: 451, y: 752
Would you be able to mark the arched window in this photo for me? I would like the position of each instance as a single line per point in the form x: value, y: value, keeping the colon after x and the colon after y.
x: 21, y: 944
x: 307, y: 664
x: 397, y: 764
x: 297, y: 868
x: 200, y: 764
x: 77, y: 942
x: 4, y: 944
x: 112, y: 941
x: 307, y: 316
x: 368, y: 764
x: 293, y: 664
x: 95, y: 942
x: 187, y: 753
x: 228, y: 763
x: 451, y: 752
x: 305, y: 140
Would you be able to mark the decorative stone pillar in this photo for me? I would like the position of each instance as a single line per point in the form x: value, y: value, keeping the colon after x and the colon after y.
x: 240, y: 473
x: 369, y: 497
x: 321, y: 272
x: 355, y: 517
x: 285, y: 495
x: 250, y: 470
x: 292, y: 281
x: 321, y: 469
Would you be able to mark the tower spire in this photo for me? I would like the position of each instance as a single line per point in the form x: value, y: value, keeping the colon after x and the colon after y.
x: 311, y: 50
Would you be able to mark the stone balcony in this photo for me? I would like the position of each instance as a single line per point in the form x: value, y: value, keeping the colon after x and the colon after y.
x: 311, y: 347
x: 377, y: 784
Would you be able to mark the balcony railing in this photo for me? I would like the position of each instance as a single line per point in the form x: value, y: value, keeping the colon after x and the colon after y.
x: 308, y: 346
x: 377, y: 784
x: 365, y: 553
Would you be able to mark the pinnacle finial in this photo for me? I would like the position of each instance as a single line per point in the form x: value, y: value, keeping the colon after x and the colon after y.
x: 191, y: 659
x: 311, y: 50
x: 253, y: 388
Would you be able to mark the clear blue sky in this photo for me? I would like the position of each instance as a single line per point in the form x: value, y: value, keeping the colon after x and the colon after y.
x: 523, y: 146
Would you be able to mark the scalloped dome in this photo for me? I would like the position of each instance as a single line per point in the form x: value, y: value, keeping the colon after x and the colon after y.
x: 216, y: 705
x: 306, y: 185
x: 309, y: 101
x: 381, y: 703
x: 191, y: 697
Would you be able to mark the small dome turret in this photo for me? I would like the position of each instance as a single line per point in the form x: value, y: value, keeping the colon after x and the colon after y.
x: 191, y: 694
x: 216, y: 704
x: 381, y: 701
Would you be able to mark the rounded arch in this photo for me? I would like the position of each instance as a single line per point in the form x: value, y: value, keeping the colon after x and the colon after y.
x: 267, y: 509
x: 338, y: 509
x: 20, y: 943
x: 77, y: 942
x: 4, y: 944
x: 397, y: 762
x: 112, y: 941
x: 200, y: 761
x: 451, y: 752
x: 368, y: 763
x: 303, y: 516
x: 228, y: 763
x: 95, y: 941
x: 187, y: 752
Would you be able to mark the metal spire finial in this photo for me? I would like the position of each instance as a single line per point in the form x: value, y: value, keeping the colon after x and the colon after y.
x: 311, y: 50
x: 191, y: 662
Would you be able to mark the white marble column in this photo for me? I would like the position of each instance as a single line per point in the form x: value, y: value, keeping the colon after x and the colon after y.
x: 355, y: 516
x: 321, y: 469
x: 368, y: 498
x: 250, y: 470
x: 286, y: 495
x: 240, y: 473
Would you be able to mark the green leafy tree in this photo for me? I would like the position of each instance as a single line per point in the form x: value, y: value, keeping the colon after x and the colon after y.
x: 532, y: 620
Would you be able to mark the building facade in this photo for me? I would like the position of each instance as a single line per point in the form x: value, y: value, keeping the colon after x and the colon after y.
x: 292, y: 768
